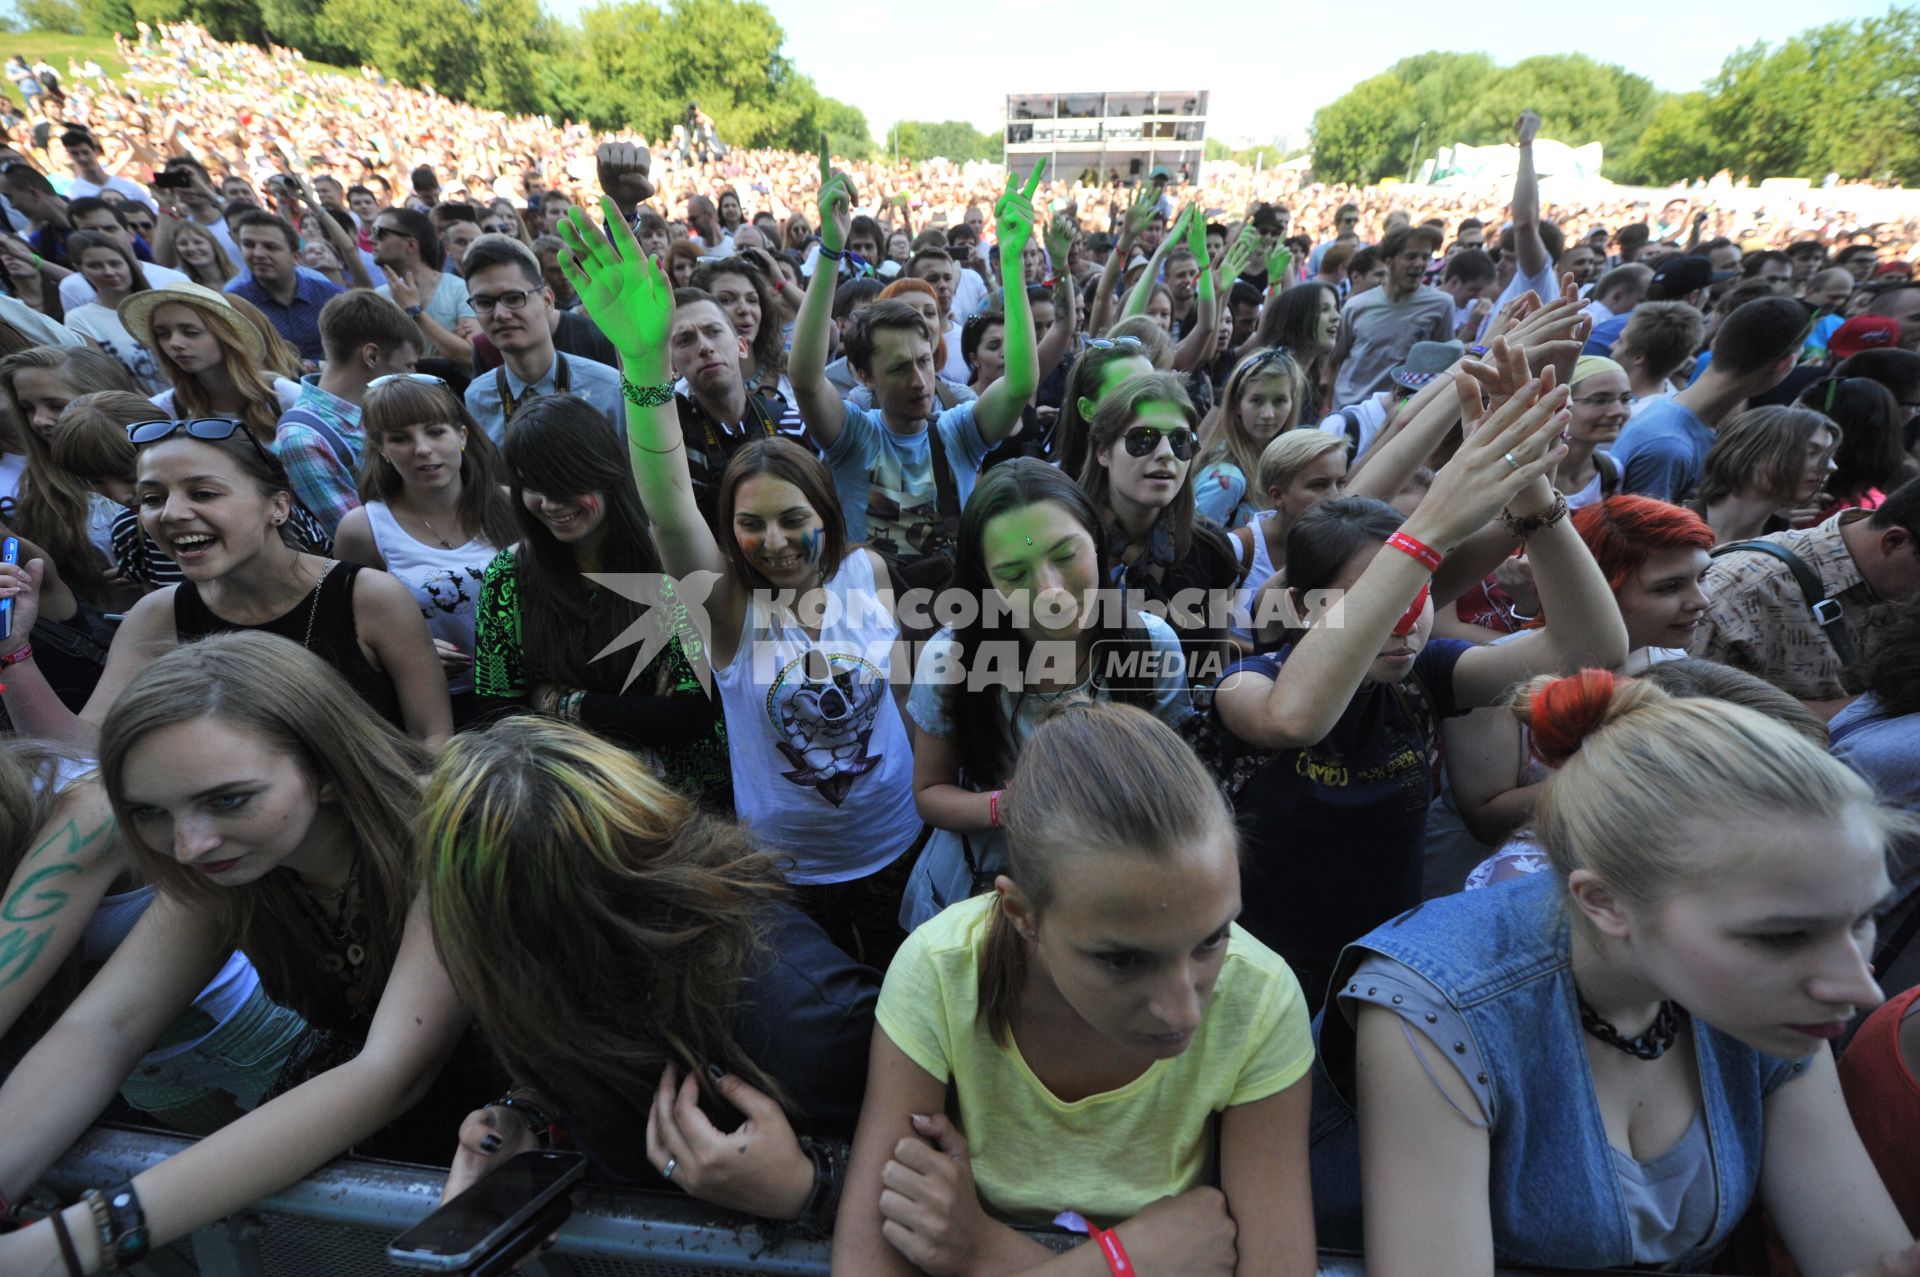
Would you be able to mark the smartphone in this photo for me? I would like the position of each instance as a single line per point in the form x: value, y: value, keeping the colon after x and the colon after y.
x: 9, y: 553
x: 495, y: 1213
x: 173, y: 179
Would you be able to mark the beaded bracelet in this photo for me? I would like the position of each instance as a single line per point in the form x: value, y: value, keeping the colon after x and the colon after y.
x: 647, y: 396
x: 1524, y: 528
x: 102, y: 1224
x: 831, y: 254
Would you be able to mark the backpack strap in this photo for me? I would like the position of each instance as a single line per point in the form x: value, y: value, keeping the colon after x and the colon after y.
x: 946, y: 491
x: 336, y: 442
x: 1827, y: 613
x: 1609, y: 473
x: 1352, y: 417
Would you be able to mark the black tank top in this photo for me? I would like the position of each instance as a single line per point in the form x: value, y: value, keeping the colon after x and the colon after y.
x: 322, y: 622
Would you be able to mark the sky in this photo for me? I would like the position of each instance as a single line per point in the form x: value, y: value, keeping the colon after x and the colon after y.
x: 1268, y: 65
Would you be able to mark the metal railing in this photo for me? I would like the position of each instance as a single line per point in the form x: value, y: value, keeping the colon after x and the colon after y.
x: 337, y: 1223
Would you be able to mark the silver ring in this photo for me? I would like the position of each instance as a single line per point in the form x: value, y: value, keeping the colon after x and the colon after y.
x: 673, y: 1164
x: 1513, y: 461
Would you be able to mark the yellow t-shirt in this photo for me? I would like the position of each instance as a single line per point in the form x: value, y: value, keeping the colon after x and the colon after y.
x: 1109, y: 1155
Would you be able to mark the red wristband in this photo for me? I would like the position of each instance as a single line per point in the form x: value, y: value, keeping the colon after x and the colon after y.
x: 993, y: 808
x: 1426, y: 555
x: 1118, y: 1262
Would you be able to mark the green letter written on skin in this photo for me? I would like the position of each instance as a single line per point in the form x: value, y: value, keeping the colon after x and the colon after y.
x: 36, y: 899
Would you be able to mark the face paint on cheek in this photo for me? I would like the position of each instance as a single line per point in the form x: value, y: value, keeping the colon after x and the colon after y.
x: 1404, y: 626
x: 590, y: 503
x: 750, y: 543
x: 810, y: 543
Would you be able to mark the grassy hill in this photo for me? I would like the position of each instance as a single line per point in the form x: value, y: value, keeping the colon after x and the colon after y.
x: 57, y: 46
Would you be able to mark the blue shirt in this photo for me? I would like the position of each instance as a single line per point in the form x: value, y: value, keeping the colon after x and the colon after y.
x: 299, y: 320
x: 1663, y: 452
x: 885, y: 478
x: 594, y: 382
x: 1605, y: 334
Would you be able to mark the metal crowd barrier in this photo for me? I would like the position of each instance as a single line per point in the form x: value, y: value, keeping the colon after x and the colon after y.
x: 338, y: 1221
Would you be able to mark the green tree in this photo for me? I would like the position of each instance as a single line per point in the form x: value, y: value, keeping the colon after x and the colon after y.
x: 50, y: 15
x: 1366, y: 133
x: 955, y: 140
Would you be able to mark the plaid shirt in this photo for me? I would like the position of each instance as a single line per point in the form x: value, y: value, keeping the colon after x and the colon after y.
x: 1759, y: 621
x: 327, y: 485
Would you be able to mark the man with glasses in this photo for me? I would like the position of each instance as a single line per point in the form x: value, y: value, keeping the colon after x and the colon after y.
x: 319, y: 440
x: 1346, y: 227
x: 408, y: 251
x: 515, y: 310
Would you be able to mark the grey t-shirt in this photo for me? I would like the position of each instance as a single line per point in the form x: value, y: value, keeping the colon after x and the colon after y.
x: 1376, y: 333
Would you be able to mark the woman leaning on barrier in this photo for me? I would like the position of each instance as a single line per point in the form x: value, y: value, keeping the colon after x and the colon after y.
x: 1605, y: 1065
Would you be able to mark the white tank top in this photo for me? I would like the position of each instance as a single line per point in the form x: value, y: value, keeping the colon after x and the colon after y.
x: 445, y: 583
x: 822, y: 771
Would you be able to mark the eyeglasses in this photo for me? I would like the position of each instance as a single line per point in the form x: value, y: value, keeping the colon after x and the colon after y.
x: 512, y: 299
x: 1144, y: 441
x: 420, y: 378
x: 1606, y: 401
x: 1114, y: 343
x: 207, y: 429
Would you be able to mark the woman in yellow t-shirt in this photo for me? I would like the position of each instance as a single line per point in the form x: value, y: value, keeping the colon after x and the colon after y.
x: 1092, y: 1015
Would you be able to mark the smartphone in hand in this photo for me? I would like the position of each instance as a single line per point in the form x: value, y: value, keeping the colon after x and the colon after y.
x: 9, y: 553
x: 516, y: 1206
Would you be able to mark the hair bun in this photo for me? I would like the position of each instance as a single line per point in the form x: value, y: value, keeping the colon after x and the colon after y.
x: 1564, y: 711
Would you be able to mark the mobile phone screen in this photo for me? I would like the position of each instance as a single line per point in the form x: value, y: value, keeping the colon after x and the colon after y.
x: 460, y: 1232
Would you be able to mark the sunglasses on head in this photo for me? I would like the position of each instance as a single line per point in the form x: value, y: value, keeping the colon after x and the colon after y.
x: 423, y: 378
x: 208, y: 429
x: 1144, y: 441
x: 1114, y: 343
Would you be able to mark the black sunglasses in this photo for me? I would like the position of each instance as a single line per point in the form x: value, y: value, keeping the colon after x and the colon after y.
x: 1144, y: 441
x: 207, y: 429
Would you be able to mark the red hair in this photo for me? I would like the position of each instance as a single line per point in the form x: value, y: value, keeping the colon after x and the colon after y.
x: 899, y: 286
x: 1624, y: 532
x: 1563, y: 711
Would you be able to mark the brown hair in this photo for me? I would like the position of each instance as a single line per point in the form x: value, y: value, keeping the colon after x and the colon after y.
x: 396, y: 405
x: 782, y: 459
x: 292, y: 701
x: 1764, y: 449
x: 91, y: 440
x: 1116, y: 413
x: 262, y: 411
x: 1225, y: 437
x: 1078, y: 785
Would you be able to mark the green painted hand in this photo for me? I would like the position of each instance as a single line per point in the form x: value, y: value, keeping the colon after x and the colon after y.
x: 1013, y: 211
x: 626, y: 295
x: 1061, y: 233
x: 836, y: 202
x: 1233, y: 262
x: 1279, y: 261
x: 1197, y: 236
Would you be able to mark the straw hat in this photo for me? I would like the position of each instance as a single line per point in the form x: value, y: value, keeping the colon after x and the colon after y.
x: 136, y: 312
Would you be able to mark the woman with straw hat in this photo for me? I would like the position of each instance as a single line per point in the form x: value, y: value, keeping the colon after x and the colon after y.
x: 211, y: 355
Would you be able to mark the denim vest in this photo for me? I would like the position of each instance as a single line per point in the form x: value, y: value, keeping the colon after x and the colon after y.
x: 1502, y: 957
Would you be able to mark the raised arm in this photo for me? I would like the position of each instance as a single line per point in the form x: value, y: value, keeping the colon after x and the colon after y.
x: 1197, y: 346
x: 336, y: 235
x: 1066, y: 303
x: 1001, y: 403
x: 1531, y: 248
x: 1301, y: 705
x: 631, y: 302
x: 1139, y: 213
x: 820, y: 404
x: 1142, y: 290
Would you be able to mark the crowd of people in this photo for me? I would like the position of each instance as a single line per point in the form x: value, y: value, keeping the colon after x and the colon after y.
x: 924, y: 728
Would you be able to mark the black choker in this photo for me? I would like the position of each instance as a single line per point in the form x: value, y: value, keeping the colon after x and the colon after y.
x: 1650, y: 1045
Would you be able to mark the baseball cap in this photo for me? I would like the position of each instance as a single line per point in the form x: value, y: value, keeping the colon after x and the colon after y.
x: 1427, y: 360
x: 1863, y: 332
x: 1675, y: 277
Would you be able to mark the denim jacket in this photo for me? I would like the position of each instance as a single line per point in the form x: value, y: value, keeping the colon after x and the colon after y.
x: 1503, y: 958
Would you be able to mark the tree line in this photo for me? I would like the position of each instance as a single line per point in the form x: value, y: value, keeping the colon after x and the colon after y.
x: 1843, y: 97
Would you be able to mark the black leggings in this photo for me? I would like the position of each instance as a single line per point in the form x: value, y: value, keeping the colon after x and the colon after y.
x: 862, y: 915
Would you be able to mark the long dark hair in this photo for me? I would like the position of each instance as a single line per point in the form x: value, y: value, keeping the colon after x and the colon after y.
x: 80, y: 241
x: 1293, y: 319
x: 983, y: 730
x: 397, y: 405
x: 561, y: 446
x: 1869, y: 454
x: 1117, y: 412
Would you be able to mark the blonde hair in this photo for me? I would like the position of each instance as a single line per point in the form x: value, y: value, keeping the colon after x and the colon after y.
x: 1290, y: 453
x: 1224, y: 438
x: 1153, y: 339
x: 255, y: 387
x: 1640, y: 773
x: 1079, y: 784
